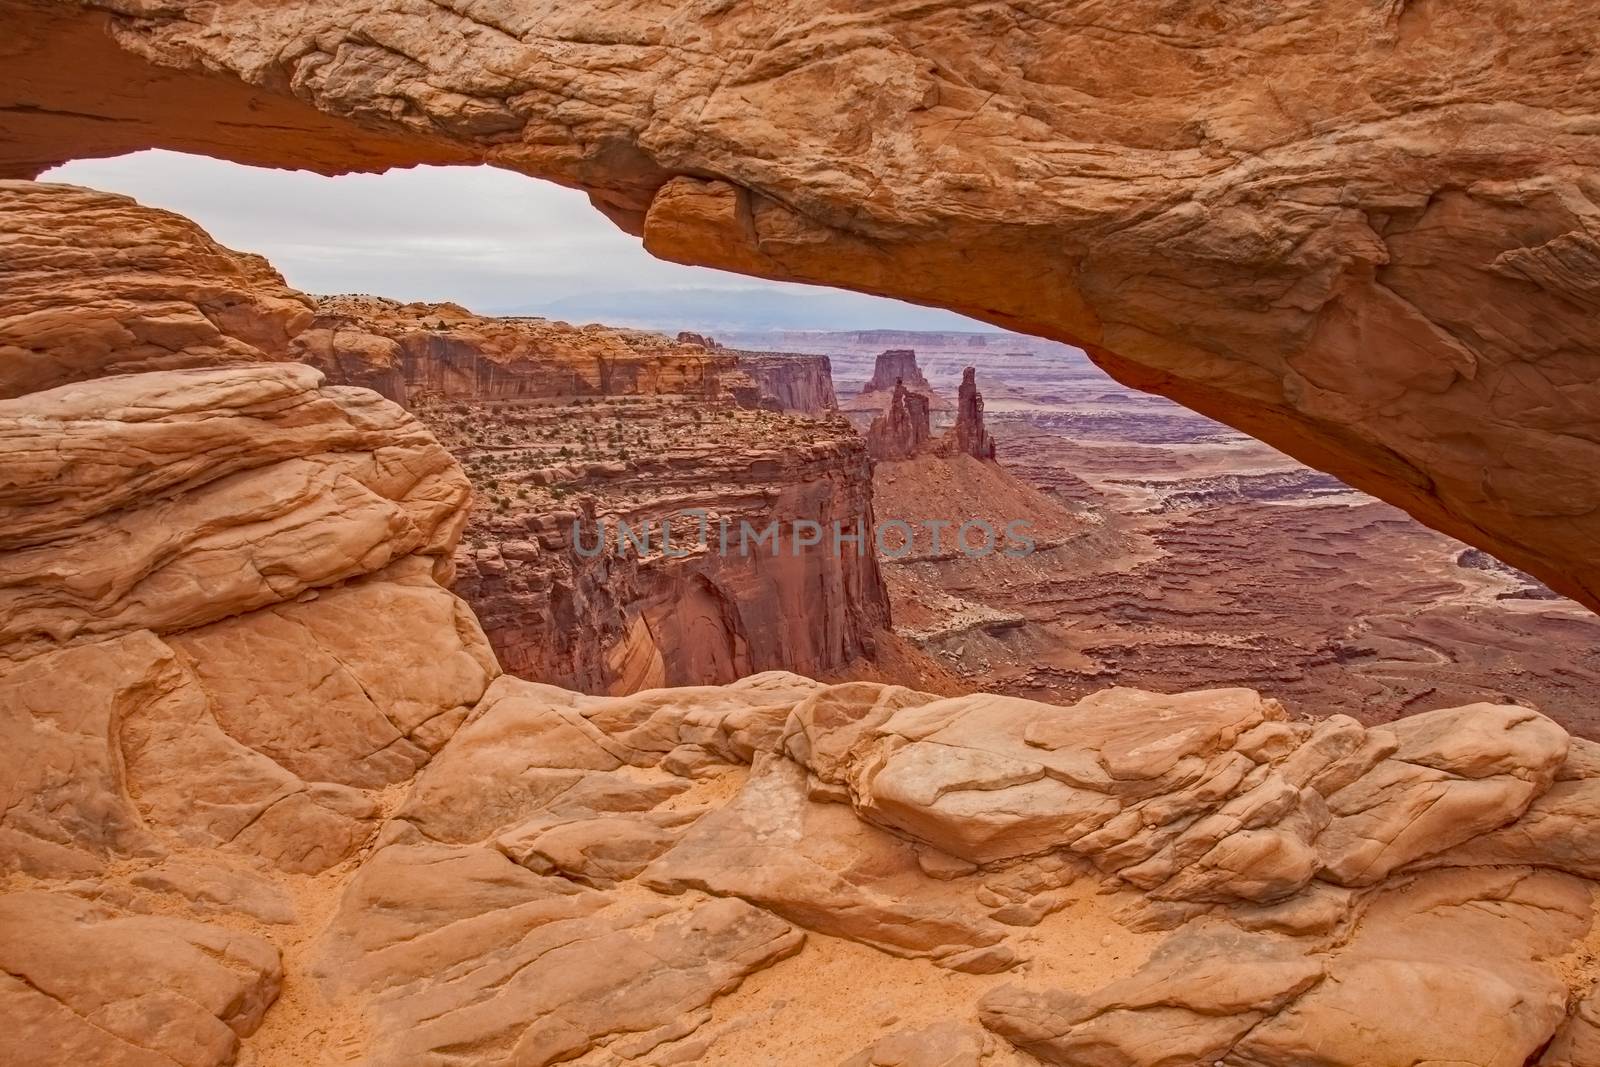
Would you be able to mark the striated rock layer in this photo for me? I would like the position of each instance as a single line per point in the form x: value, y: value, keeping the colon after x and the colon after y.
x: 630, y: 543
x: 903, y: 429
x: 338, y: 788
x: 588, y: 425
x: 584, y: 445
x: 1357, y: 231
x: 98, y: 284
x: 794, y: 382
x: 444, y: 350
x: 267, y: 795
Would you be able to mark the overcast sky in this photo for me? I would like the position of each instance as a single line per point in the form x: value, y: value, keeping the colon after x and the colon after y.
x: 489, y: 239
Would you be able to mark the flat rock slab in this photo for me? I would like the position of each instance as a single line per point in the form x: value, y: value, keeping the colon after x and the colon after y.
x: 1454, y: 968
x: 455, y: 948
x: 83, y: 984
x: 818, y: 865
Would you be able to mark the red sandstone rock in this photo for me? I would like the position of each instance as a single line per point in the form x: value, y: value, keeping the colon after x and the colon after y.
x: 794, y: 382
x: 613, y: 623
x: 567, y: 596
x: 1409, y: 307
x: 1282, y: 853
x: 445, y: 351
x: 896, y: 367
x: 96, y: 284
x: 902, y: 430
x: 968, y: 435
x: 594, y: 427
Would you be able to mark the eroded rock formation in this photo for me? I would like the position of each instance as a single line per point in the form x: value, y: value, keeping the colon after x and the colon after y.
x: 896, y: 368
x: 444, y: 350
x: 565, y: 563
x: 588, y: 425
x: 903, y: 429
x: 98, y: 284
x: 795, y: 382
x: 1294, y: 234
x: 338, y: 783
x: 782, y: 381
x: 254, y: 750
x: 568, y: 433
x: 266, y: 795
x: 969, y: 435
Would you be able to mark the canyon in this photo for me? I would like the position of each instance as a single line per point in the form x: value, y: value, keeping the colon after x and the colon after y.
x: 310, y: 820
x: 1175, y: 553
x: 591, y: 450
x: 270, y: 796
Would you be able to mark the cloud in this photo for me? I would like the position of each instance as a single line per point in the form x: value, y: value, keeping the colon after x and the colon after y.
x: 485, y: 238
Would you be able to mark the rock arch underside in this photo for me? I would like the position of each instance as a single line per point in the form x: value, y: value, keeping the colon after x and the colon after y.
x: 269, y: 798
x: 1360, y: 231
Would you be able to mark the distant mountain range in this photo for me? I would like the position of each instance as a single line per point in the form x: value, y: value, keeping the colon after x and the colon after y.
x: 715, y: 310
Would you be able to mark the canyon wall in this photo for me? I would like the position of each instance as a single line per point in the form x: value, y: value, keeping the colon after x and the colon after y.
x: 588, y: 427
x: 553, y: 421
x: 568, y: 591
x: 1357, y: 231
x: 447, y: 351
x: 796, y: 382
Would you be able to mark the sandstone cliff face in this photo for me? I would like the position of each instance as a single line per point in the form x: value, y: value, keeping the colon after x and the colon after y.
x: 783, y: 381
x: 594, y: 426
x: 1359, y: 232
x: 565, y: 598
x: 98, y: 284
x: 445, y: 350
x: 796, y: 382
x: 894, y: 368
x: 104, y: 285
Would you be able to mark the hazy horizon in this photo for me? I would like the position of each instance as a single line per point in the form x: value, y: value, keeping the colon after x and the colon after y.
x: 491, y: 240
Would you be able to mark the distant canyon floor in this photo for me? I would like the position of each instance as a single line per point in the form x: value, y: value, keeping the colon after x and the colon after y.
x: 1179, y: 554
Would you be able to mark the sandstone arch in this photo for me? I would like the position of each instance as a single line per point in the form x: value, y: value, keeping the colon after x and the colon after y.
x: 1359, y: 231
